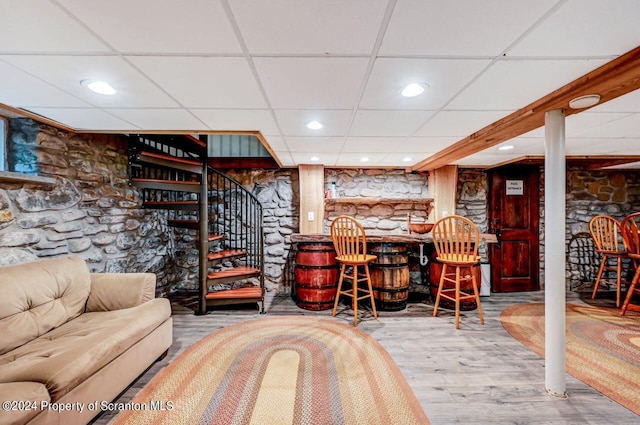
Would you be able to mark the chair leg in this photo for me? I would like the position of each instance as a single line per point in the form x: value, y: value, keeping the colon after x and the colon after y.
x: 618, y: 279
x: 630, y: 291
x: 354, y: 300
x: 457, y: 297
x: 373, y: 301
x: 599, y: 277
x: 440, y: 285
x: 335, y: 303
x: 477, y: 294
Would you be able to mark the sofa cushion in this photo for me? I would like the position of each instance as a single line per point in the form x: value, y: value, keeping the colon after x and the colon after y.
x: 69, y: 354
x: 25, y: 400
x: 40, y: 296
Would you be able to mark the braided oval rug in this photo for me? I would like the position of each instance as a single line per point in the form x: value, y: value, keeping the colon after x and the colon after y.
x: 281, y: 370
x: 602, y: 347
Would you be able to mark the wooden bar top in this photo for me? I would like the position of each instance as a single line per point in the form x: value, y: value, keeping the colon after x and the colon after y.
x: 377, y: 238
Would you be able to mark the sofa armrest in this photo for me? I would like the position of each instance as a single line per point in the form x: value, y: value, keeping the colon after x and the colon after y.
x: 115, y: 291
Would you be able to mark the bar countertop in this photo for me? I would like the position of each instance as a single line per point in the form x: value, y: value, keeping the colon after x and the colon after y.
x: 377, y: 238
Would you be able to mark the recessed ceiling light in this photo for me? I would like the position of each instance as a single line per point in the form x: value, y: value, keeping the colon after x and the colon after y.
x: 584, y: 101
x: 364, y: 159
x: 315, y: 158
x: 407, y: 159
x: 506, y: 148
x: 100, y: 87
x: 315, y: 125
x: 413, y: 89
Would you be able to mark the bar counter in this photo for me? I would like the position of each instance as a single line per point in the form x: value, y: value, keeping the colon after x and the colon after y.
x: 382, y: 238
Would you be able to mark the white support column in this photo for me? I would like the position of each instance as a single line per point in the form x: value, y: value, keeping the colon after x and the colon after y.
x: 554, y: 250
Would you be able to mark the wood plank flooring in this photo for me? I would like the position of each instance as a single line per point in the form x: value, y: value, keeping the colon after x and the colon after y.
x: 474, y: 375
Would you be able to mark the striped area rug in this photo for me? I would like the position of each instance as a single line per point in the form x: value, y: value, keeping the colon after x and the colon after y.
x: 602, y: 348
x: 282, y: 370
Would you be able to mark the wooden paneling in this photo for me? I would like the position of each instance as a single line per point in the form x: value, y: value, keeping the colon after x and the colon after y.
x: 311, y: 198
x: 443, y: 184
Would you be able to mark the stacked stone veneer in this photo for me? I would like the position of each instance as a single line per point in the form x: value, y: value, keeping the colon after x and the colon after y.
x: 388, y: 217
x: 279, y: 193
x: 91, y: 211
x: 472, y: 201
x: 589, y: 193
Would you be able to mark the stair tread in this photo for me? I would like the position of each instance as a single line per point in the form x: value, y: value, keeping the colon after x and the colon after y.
x: 141, y: 180
x: 171, y: 203
x: 185, y: 224
x: 196, y: 141
x: 168, y: 157
x: 249, y: 293
x: 242, y: 271
x: 226, y: 253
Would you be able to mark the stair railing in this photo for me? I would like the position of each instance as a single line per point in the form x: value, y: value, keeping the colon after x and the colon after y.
x: 236, y: 212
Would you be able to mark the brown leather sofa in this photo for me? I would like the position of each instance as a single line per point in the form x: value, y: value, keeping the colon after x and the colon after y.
x: 72, y: 341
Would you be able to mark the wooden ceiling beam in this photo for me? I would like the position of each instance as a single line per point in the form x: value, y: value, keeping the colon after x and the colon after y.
x: 613, y: 79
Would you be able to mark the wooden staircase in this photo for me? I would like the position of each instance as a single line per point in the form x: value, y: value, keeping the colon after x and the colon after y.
x: 173, y: 175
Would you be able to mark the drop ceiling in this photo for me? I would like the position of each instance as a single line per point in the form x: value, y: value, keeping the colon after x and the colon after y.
x: 272, y: 66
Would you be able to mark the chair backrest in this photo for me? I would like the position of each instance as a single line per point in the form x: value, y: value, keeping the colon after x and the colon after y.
x: 606, y: 233
x: 630, y: 226
x: 348, y: 236
x: 456, y: 235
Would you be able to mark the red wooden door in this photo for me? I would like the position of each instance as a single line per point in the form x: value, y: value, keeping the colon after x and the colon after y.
x: 514, y: 215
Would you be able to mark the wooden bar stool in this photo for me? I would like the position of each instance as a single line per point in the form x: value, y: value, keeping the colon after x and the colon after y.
x: 607, y: 237
x: 630, y: 226
x: 350, y: 243
x: 456, y: 239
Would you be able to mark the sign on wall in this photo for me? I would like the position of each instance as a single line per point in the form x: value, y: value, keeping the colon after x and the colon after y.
x: 515, y: 187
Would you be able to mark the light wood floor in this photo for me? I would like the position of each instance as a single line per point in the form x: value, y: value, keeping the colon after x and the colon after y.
x: 475, y: 375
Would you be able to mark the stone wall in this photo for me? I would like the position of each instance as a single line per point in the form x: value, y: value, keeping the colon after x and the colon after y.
x: 279, y: 193
x: 472, y: 201
x: 589, y: 193
x: 382, y: 218
x: 91, y: 211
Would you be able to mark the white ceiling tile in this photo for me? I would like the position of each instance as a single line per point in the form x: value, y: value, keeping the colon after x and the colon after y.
x: 584, y: 122
x: 294, y: 122
x: 277, y: 143
x: 160, y: 119
x: 398, y: 159
x: 585, y: 28
x: 66, y: 72
x: 486, y: 159
x: 629, y: 102
x: 374, y: 144
x: 198, y: 82
x: 470, y: 27
x: 85, y: 119
x: 286, y: 159
x: 41, y: 26
x: 194, y: 26
x: 309, y: 27
x: 628, y: 126
x: 354, y: 159
x: 444, y: 78
x: 312, y: 83
x: 621, y: 146
x: 239, y: 120
x: 429, y: 144
x: 388, y: 123
x: 459, y: 123
x: 522, y: 146
x: 513, y: 84
x: 13, y: 92
x: 586, y: 145
x: 324, y: 158
x: 315, y: 145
